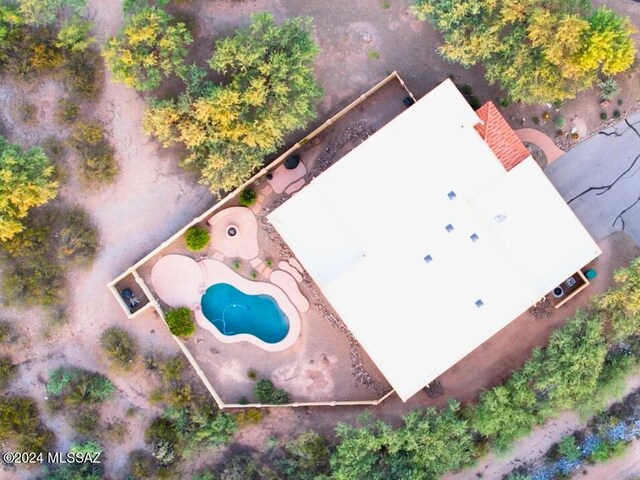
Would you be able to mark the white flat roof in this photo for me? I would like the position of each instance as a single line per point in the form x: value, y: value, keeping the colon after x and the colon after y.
x: 363, y: 228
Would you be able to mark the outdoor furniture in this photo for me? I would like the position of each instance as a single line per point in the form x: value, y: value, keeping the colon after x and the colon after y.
x: 590, y: 274
x: 408, y: 101
x: 131, y: 299
x: 292, y: 162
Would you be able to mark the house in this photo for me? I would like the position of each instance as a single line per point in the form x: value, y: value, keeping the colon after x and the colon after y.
x: 432, y: 235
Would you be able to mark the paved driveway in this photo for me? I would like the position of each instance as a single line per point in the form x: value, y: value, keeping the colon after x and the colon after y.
x: 600, y: 178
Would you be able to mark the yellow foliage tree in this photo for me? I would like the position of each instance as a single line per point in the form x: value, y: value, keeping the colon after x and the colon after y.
x: 25, y: 182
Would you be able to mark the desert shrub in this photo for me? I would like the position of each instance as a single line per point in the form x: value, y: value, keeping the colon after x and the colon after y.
x: 603, y: 116
x: 7, y: 371
x: 20, y: 425
x: 86, y: 421
x: 67, y: 111
x: 236, y: 265
x: 266, y: 392
x: 605, y: 451
x: 180, y: 396
x: 182, y: 429
x: 252, y: 374
x: 96, y: 155
x: 376, y: 450
x: 150, y: 360
x: 142, y: 465
x: 180, y: 321
x: 54, y: 149
x: 28, y: 113
x: 620, y: 305
x: 269, y: 262
x: 197, y: 238
x: 83, y: 73
x: 247, y: 197
x: 251, y: 416
x: 240, y: 467
x: 80, y: 470
x: 559, y: 122
x: 608, y: 88
x: 120, y: 347
x: 115, y: 431
x: 568, y: 449
x: 32, y: 283
x: 156, y: 395
x: 171, y: 370
x: 73, y: 387
x: 7, y: 332
x: 78, y: 237
x: 616, y: 114
x: 307, y: 457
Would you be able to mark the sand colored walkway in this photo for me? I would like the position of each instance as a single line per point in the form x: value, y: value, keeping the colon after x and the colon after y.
x: 286, y: 266
x: 245, y: 243
x: 177, y: 280
x: 287, y: 283
x: 538, y: 138
x: 283, y: 177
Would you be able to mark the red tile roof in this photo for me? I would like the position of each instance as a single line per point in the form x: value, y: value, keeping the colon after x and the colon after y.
x: 500, y: 137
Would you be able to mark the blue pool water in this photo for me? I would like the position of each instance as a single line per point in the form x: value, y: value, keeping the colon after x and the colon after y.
x: 232, y: 312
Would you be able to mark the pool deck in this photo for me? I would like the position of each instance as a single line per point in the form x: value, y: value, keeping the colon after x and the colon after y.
x: 180, y: 281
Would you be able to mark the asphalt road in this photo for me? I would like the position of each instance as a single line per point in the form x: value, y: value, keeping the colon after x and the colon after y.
x: 600, y: 179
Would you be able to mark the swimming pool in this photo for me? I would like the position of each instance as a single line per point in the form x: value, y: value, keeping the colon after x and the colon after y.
x: 234, y: 312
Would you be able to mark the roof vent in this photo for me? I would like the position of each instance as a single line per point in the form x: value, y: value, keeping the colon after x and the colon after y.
x: 479, y: 303
x: 500, y: 218
x: 449, y: 228
x: 451, y: 195
x: 474, y: 237
x: 428, y: 259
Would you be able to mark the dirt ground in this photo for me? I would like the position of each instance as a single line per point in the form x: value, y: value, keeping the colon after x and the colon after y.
x: 152, y: 198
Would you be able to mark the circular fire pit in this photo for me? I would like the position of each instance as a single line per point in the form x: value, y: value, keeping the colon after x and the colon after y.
x: 232, y: 231
x: 558, y: 292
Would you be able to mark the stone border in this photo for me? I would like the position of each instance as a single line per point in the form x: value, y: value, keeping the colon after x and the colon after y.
x: 155, y: 305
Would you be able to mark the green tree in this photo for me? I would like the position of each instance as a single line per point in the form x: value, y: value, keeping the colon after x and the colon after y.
x: 74, y: 387
x: 537, y: 51
x: 229, y: 129
x: 307, y: 457
x: 429, y: 443
x: 120, y: 346
x: 45, y: 12
x: 26, y: 181
x: 620, y: 305
x: 20, y: 425
x: 569, y: 368
x: 506, y: 412
x: 74, y: 35
x: 151, y: 46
